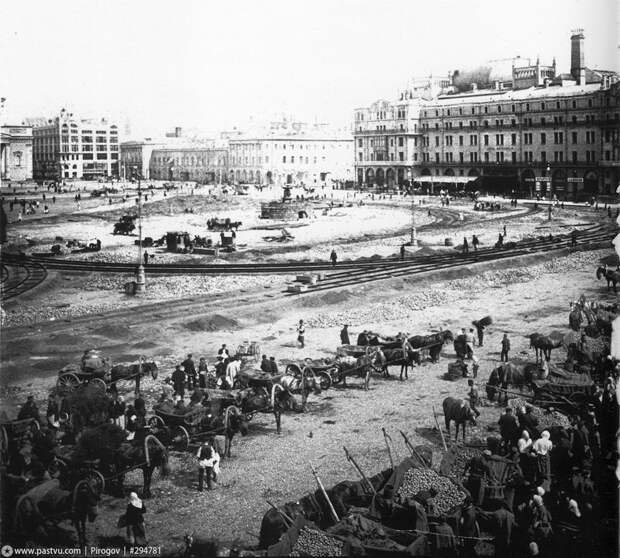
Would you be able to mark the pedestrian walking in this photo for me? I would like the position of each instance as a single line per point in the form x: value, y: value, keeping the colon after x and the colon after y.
x: 344, y: 335
x: 505, y: 348
x: 301, y: 333
x: 475, y: 366
x: 134, y: 519
x: 474, y: 397
x: 402, y: 252
x: 178, y: 380
x: 549, y: 210
x: 480, y: 331
x: 475, y: 242
x: 465, y: 246
x: 469, y: 342
x: 500, y: 240
x: 573, y: 238
x: 334, y: 258
x: 504, y: 231
x: 202, y: 373
x: 208, y: 465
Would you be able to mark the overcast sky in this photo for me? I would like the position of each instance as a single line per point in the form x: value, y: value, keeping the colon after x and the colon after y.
x: 213, y: 64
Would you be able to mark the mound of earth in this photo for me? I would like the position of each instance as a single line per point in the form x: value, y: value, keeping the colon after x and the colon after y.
x: 216, y: 322
x: 144, y: 345
x: 117, y: 332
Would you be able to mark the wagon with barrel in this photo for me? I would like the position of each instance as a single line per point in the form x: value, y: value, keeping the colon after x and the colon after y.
x: 96, y: 369
x: 15, y: 432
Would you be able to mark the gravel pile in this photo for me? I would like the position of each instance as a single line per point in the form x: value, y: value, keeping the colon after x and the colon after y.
x: 461, y: 458
x: 418, y: 480
x: 311, y: 542
x: 449, y: 291
x: 546, y: 419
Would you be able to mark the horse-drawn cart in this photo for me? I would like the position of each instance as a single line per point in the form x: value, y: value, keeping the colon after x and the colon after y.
x: 566, y: 394
x: 95, y: 369
x: 199, y: 423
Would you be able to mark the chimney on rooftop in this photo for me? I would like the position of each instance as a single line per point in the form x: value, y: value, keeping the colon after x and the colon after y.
x: 577, y: 64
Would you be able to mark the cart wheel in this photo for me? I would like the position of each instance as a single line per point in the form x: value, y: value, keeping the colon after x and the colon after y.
x: 35, y: 426
x: 68, y: 382
x: 96, y: 480
x: 99, y: 384
x: 180, y: 438
x: 324, y: 379
x: 156, y: 422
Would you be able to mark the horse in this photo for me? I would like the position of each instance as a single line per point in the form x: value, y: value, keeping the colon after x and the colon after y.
x: 136, y: 371
x: 433, y: 342
x: 396, y: 357
x: 48, y: 502
x: 612, y: 277
x: 305, y: 384
x: 460, y: 412
x: 259, y: 400
x: 363, y: 365
x: 543, y: 344
x: 509, y: 374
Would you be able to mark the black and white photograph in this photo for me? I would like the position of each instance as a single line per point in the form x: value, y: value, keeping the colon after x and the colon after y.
x: 310, y: 278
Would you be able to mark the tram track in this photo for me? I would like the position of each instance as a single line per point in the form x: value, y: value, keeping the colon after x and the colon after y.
x: 33, y: 274
x: 340, y: 279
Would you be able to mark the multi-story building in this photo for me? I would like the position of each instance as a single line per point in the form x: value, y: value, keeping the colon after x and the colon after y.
x: 539, y: 132
x: 69, y: 147
x: 16, y: 152
x: 290, y: 152
x: 202, y: 164
x: 136, y: 157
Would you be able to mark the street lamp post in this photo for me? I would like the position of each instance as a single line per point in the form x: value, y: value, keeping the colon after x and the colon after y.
x: 414, y: 234
x: 140, y: 276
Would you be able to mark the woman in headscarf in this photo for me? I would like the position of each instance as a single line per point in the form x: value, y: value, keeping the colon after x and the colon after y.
x: 543, y: 447
x: 136, y: 531
x: 526, y: 460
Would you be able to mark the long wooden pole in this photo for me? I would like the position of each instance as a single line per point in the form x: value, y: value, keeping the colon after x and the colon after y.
x: 322, y: 488
x: 284, y: 515
x: 386, y: 436
x: 443, y: 440
x: 359, y: 470
x: 413, y: 450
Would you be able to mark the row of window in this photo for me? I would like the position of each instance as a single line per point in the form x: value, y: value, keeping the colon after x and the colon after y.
x: 544, y: 105
x: 301, y: 159
x: 382, y: 156
x: 528, y: 157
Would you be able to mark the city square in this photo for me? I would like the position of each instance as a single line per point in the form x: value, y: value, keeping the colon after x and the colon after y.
x: 256, y: 337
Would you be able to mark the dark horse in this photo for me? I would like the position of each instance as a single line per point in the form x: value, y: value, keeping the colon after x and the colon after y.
x: 543, y: 345
x: 434, y: 342
x: 509, y: 374
x: 612, y: 277
x: 48, y: 503
x: 394, y: 357
x: 259, y: 400
x: 133, y: 371
x: 233, y: 422
x: 460, y: 412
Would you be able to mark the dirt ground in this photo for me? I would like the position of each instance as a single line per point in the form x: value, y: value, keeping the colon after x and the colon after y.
x: 265, y: 466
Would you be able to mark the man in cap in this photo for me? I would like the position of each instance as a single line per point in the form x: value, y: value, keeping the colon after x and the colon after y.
x: 344, y: 335
x: 273, y: 365
x: 178, y: 380
x: 474, y: 397
x: 190, y: 371
x: 206, y: 460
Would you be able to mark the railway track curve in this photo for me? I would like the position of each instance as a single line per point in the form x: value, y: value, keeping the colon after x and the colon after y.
x: 19, y: 278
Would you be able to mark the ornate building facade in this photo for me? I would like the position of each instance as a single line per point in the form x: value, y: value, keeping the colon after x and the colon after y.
x: 538, y: 132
